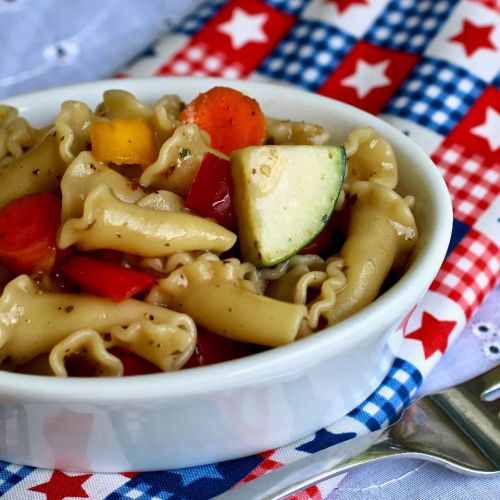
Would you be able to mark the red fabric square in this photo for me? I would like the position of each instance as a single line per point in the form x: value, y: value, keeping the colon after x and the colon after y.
x: 478, y: 132
x: 369, y: 76
x: 233, y: 43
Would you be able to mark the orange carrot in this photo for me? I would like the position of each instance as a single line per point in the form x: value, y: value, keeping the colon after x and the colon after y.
x: 232, y: 119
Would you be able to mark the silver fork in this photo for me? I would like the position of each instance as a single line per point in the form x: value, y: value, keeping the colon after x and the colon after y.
x: 458, y: 428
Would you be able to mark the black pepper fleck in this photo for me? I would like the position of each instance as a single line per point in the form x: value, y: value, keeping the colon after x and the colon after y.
x: 184, y: 152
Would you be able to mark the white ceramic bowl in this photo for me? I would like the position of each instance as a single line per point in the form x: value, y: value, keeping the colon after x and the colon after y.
x: 240, y: 407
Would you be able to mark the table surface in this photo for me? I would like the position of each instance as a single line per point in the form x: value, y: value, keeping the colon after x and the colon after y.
x: 59, y: 42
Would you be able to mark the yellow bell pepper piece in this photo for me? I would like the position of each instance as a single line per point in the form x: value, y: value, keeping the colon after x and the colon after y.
x: 124, y: 141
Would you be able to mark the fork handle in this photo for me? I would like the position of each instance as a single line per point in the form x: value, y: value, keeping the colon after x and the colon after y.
x: 317, y: 467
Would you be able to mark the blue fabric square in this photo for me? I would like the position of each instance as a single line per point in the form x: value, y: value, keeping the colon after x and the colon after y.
x: 293, y: 7
x: 194, y: 22
x: 436, y: 95
x: 409, y: 26
x: 496, y: 81
x: 459, y: 230
x: 308, y: 54
x: 11, y: 474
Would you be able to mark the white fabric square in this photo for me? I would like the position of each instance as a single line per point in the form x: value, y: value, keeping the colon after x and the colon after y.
x: 491, y: 176
x: 401, y: 376
x: 451, y: 156
x: 482, y: 280
x: 466, y: 207
x: 477, y: 248
x: 420, y: 107
x: 478, y: 191
x: 465, y: 85
x: 451, y: 280
x: 414, y: 85
x: 464, y: 264
x: 484, y: 63
x: 471, y: 166
x: 469, y: 296
x: 387, y: 392
x: 452, y: 101
x: 494, y: 265
x: 371, y: 408
x: 458, y: 181
x: 433, y: 91
x: 445, y: 75
x: 439, y: 117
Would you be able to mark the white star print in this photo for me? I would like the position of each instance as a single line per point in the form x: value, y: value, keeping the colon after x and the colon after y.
x: 367, y: 77
x: 243, y: 28
x: 489, y: 130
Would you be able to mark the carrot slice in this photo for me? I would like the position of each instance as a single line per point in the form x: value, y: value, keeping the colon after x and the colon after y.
x: 232, y: 119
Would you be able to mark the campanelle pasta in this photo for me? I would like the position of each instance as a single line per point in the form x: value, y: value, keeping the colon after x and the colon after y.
x: 33, y: 321
x: 127, y: 230
x: 179, y: 160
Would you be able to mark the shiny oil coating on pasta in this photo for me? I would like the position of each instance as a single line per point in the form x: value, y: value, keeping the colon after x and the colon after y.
x: 142, y: 216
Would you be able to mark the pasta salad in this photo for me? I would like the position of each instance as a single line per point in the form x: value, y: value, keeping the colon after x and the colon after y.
x: 138, y: 238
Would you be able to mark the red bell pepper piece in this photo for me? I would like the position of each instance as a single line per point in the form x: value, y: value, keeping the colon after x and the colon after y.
x: 212, y: 348
x: 107, y: 280
x: 211, y: 191
x: 322, y: 242
x: 28, y: 229
x: 133, y: 364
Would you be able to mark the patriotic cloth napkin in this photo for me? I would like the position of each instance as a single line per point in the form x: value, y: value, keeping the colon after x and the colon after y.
x: 431, y: 68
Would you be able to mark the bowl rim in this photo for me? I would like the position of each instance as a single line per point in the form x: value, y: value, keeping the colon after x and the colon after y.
x: 275, y: 363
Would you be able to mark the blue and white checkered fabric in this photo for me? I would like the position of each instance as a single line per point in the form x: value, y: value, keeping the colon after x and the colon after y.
x: 409, y: 26
x: 383, y: 407
x: 11, y: 474
x: 293, y: 7
x: 436, y: 95
x: 307, y: 54
x: 198, y: 18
